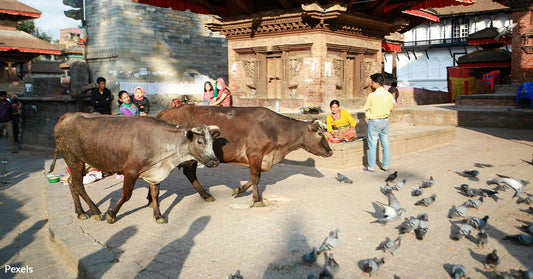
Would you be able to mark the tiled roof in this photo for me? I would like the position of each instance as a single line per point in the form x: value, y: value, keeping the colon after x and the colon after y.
x: 18, y: 40
x: 485, y: 56
x: 478, y: 6
x: 15, y: 7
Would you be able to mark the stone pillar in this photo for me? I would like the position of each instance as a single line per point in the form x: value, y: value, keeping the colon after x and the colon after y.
x: 522, y: 41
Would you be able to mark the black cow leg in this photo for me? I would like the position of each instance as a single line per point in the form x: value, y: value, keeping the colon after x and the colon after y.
x: 189, y: 170
x: 77, y: 204
x: 255, y: 176
x: 154, y: 191
x: 127, y: 189
x: 77, y: 189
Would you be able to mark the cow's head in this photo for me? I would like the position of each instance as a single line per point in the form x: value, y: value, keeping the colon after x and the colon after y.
x: 314, y: 140
x: 201, y: 145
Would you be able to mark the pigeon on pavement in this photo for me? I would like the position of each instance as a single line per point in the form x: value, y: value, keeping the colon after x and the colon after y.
x: 427, y: 201
x: 423, y: 226
x: 417, y: 192
x: 472, y: 173
x: 409, y: 225
x: 524, y: 239
x: 331, y: 267
x: 477, y: 223
x: 527, y: 274
x: 310, y: 258
x: 386, y: 189
x: 330, y: 242
x: 467, y: 191
x: 458, y: 271
x: 391, y: 211
x: 464, y: 230
x: 428, y: 183
x: 528, y: 200
x: 342, y: 178
x: 399, y: 185
x: 237, y: 275
x: 460, y: 211
x: 527, y: 228
x: 492, y: 260
x: 391, y: 245
x: 482, y: 238
x: 371, y: 266
x: 474, y: 203
x: 392, y: 177
x: 517, y: 184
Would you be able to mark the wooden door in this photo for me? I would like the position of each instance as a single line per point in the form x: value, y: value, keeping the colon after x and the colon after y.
x: 274, y: 77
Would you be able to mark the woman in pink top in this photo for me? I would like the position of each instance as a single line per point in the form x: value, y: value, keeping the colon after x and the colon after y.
x: 222, y: 96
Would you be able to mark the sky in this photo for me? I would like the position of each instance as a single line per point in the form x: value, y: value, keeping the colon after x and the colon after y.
x: 52, y: 18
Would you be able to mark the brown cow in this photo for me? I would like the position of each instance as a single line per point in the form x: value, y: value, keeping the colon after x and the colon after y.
x: 252, y: 136
x: 138, y: 147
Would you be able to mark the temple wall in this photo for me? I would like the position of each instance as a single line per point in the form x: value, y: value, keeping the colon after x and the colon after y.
x: 522, y: 44
x: 170, y: 53
x: 301, y: 69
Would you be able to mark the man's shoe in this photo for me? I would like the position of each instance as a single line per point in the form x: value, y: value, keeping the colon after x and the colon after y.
x: 369, y: 170
x: 385, y: 168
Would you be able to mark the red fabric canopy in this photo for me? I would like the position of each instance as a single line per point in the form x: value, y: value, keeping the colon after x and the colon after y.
x: 389, y: 47
x: 21, y: 13
x: 430, y: 4
x: 422, y: 14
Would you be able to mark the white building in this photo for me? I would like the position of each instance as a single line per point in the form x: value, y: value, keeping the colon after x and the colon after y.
x: 431, y: 47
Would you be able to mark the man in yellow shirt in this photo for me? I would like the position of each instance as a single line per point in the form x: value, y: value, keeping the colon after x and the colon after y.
x: 378, y: 106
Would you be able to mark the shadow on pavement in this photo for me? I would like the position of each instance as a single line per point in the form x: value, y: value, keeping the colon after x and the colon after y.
x: 21, y: 241
x: 170, y: 259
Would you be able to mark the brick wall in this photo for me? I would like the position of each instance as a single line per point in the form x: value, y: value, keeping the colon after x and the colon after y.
x: 170, y: 52
x: 409, y: 96
x: 522, y: 62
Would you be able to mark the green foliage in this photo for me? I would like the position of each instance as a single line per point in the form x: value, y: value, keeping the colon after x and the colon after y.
x: 29, y: 27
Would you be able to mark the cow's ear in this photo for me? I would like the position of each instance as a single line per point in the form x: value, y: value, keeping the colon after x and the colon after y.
x: 315, y: 125
x: 190, y: 135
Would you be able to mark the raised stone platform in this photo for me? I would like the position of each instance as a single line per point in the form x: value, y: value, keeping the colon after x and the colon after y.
x: 403, y: 140
x: 486, y: 100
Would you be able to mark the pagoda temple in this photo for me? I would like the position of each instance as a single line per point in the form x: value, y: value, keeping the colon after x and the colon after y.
x: 17, y: 47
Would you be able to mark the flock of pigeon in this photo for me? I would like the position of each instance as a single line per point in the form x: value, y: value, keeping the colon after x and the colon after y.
x: 419, y: 225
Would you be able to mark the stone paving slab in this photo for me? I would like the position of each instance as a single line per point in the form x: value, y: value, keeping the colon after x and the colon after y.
x: 211, y: 240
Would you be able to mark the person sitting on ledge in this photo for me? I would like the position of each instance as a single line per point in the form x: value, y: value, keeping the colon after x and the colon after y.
x: 340, y: 124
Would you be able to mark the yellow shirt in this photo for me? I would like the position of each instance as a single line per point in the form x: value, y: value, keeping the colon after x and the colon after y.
x: 345, y: 119
x: 379, y: 103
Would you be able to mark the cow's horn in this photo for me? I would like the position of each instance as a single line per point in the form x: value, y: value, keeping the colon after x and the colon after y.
x: 213, y: 127
x: 319, y: 123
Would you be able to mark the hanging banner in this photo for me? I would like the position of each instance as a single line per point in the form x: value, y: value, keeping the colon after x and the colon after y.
x: 83, y: 36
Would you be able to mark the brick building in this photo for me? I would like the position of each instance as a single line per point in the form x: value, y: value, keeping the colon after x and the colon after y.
x: 522, y: 41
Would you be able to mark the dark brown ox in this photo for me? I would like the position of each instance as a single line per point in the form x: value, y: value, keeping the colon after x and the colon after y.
x: 138, y: 147
x: 252, y: 136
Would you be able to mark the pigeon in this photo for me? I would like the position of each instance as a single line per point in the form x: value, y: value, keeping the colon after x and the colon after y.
x: 460, y: 211
x: 528, y: 200
x: 467, y: 191
x: 427, y: 201
x: 492, y: 260
x: 482, y: 238
x: 517, y: 184
x: 524, y: 239
x: 391, y: 245
x: 392, y: 177
x: 371, y: 266
x: 391, y: 211
x: 527, y: 228
x: 472, y: 173
x: 330, y: 242
x: 429, y: 183
x: 386, y: 189
x: 399, y: 185
x: 474, y: 203
x: 504, y: 275
x: 490, y: 193
x: 477, y: 223
x: 237, y: 275
x: 423, y: 226
x: 458, y: 271
x: 342, y: 178
x: 417, y: 192
x: 331, y: 267
x: 409, y: 225
x: 310, y: 258
x: 464, y: 230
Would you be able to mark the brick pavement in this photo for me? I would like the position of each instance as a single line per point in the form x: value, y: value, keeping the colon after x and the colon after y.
x: 211, y: 240
x: 24, y: 234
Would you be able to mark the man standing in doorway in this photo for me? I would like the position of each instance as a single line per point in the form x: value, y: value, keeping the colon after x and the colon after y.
x: 378, y: 106
x: 6, y: 117
x: 101, y: 97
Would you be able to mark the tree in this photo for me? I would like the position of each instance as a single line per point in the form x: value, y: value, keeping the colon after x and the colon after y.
x: 29, y: 27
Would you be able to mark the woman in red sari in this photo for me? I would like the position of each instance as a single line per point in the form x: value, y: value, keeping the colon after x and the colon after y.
x: 222, y: 96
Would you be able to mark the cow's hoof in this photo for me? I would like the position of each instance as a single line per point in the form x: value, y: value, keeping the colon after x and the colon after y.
x: 98, y: 217
x: 236, y: 191
x: 210, y: 199
x: 259, y: 204
x: 109, y: 218
x: 83, y: 216
x: 161, y: 220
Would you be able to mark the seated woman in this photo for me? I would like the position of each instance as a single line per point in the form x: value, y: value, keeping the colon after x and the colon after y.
x: 126, y: 105
x: 340, y: 124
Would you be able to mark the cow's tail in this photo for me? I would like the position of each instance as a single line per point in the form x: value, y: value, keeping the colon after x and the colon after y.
x: 53, y: 165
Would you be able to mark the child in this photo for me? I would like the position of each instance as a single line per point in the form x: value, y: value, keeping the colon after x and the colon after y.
x: 175, y: 103
x: 208, y: 93
x: 140, y: 101
x: 126, y: 106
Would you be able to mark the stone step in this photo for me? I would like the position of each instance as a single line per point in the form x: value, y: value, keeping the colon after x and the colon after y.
x: 403, y: 140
